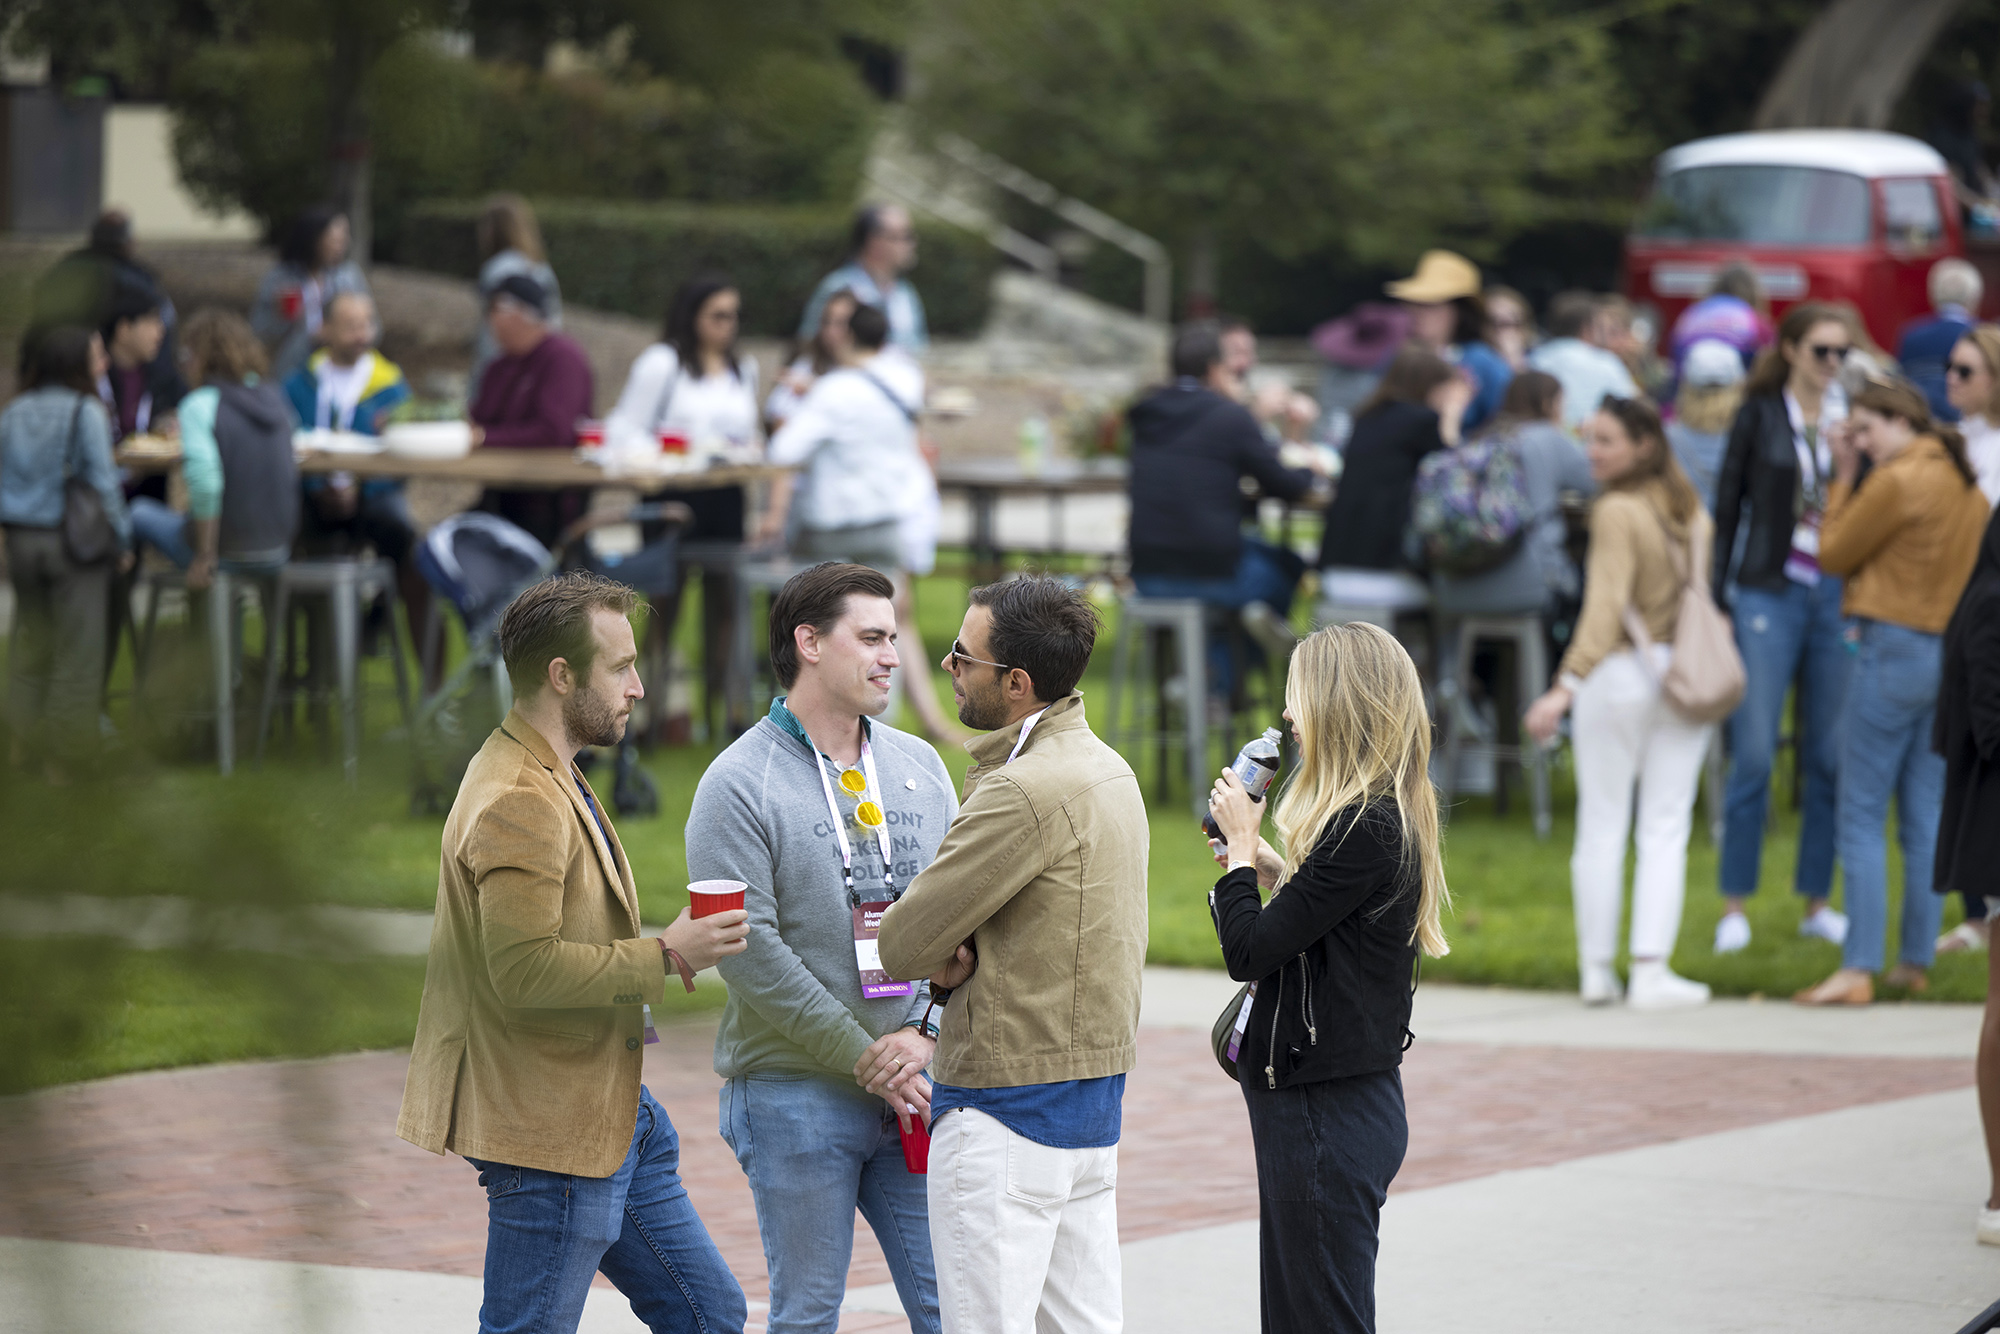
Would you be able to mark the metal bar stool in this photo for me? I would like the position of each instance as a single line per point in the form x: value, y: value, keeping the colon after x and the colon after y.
x: 1525, y: 634
x: 225, y: 640
x: 344, y: 584
x: 1187, y: 620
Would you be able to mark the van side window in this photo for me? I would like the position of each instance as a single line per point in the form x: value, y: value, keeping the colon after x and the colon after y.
x: 1911, y: 218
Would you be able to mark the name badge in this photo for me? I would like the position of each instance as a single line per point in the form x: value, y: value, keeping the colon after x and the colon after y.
x: 652, y: 1034
x: 875, y: 983
x: 1242, y: 1021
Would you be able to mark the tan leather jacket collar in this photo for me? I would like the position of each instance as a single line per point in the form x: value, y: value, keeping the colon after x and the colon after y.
x: 531, y: 740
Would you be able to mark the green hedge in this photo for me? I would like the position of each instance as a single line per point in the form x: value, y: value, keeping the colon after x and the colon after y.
x: 631, y: 257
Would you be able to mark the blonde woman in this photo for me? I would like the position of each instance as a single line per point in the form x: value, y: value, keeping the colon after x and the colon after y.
x: 1357, y: 892
x: 1644, y: 531
x: 1972, y: 382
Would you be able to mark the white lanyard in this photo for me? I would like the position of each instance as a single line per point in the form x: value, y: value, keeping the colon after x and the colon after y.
x: 1028, y: 723
x: 1812, y: 471
x: 332, y: 414
x: 881, y: 823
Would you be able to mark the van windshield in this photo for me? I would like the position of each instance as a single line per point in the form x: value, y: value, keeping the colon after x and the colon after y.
x: 1758, y: 205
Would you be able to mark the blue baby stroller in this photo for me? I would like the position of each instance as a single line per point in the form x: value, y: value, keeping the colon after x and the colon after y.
x: 479, y: 563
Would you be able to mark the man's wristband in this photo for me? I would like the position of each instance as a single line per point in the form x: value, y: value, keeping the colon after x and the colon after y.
x: 673, y: 962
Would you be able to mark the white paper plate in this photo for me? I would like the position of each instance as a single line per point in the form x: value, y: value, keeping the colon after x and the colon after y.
x: 335, y: 442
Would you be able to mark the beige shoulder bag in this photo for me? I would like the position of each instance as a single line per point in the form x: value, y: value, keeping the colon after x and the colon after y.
x: 1704, y: 680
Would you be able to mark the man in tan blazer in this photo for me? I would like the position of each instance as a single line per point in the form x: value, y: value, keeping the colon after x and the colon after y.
x: 538, y: 995
x: 1034, y: 911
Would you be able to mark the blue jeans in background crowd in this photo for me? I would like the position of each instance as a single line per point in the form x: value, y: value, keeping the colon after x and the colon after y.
x: 548, y: 1232
x: 163, y: 528
x: 1264, y: 573
x: 1784, y: 636
x: 814, y: 1148
x: 1886, y: 749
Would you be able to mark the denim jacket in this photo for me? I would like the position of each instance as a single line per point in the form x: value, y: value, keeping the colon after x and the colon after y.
x: 37, y: 454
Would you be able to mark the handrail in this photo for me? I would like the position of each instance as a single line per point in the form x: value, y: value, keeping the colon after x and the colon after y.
x: 1148, y: 251
x: 919, y: 194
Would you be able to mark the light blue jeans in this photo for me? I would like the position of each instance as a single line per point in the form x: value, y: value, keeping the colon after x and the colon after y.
x: 1785, y: 636
x: 1886, y: 750
x: 548, y: 1232
x: 814, y: 1148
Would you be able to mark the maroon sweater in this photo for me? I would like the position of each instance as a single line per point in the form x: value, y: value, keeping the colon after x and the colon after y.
x: 535, y: 400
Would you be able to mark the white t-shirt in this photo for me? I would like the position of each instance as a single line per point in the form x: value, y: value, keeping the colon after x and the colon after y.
x: 1982, y: 450
x: 856, y: 434
x: 340, y: 393
x: 709, y: 410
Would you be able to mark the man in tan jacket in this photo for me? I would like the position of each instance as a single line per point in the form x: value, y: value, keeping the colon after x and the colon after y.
x: 539, y: 986
x: 1034, y: 912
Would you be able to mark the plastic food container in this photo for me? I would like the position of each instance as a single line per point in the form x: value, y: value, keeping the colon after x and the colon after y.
x: 428, y: 440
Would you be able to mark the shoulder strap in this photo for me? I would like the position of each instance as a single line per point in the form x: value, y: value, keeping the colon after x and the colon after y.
x: 70, y: 441
x: 890, y: 394
x: 667, y: 395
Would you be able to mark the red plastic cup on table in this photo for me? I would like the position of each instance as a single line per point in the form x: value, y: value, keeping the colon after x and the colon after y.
x: 673, y: 442
x: 706, y: 898
x: 916, y: 1144
x: 589, y: 433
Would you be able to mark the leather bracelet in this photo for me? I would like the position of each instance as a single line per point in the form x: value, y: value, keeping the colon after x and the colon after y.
x: 675, y: 963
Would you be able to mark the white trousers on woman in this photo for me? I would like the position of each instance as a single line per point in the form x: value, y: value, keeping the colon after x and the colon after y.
x: 1627, y: 739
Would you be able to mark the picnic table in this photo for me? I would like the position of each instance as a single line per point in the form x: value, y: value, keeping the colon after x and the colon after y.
x: 985, y: 481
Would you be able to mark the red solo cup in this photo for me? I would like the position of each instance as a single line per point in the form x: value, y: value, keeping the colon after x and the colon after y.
x: 916, y: 1144
x: 291, y: 303
x: 706, y: 898
x: 590, y: 433
x: 673, y: 442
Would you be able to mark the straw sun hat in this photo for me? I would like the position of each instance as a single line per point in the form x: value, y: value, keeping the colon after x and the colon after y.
x: 1441, y: 276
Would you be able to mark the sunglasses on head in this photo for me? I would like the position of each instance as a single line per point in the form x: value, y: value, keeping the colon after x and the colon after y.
x: 1830, y: 351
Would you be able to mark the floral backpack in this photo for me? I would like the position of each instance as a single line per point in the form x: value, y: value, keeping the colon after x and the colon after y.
x: 1470, y: 510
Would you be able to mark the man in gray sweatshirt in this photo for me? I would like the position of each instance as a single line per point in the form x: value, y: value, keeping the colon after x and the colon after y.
x: 826, y: 816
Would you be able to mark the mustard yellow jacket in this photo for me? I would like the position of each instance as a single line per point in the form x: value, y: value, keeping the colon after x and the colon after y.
x: 528, y: 1038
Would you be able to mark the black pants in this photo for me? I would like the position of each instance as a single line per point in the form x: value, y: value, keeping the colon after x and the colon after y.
x: 1326, y: 1154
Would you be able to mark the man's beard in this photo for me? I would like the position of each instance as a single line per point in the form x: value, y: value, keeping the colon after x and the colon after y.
x: 983, y: 712
x: 591, y: 721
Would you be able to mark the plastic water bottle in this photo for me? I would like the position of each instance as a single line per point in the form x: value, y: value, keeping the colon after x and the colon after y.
x: 1256, y: 764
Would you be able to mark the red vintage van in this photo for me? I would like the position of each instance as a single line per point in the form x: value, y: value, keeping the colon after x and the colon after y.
x: 1826, y: 215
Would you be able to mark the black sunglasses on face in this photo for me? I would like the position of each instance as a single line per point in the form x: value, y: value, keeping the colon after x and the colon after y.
x: 1830, y: 352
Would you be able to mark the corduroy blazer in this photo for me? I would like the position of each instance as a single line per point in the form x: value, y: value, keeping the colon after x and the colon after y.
x: 528, y: 1047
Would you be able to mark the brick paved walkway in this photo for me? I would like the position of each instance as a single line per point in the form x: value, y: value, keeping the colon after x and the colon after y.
x: 299, y: 1161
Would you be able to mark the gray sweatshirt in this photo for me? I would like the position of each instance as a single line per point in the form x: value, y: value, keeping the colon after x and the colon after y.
x: 760, y: 816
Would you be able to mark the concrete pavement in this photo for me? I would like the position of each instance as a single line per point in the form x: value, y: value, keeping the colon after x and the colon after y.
x: 1742, y: 1167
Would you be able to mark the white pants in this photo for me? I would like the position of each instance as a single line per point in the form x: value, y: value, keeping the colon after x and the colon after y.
x: 1025, y: 1237
x: 1625, y: 737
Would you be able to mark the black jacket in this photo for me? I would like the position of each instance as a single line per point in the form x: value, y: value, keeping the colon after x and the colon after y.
x: 1371, y: 507
x: 1331, y: 954
x: 1758, y: 484
x: 1967, y: 732
x: 1189, y: 447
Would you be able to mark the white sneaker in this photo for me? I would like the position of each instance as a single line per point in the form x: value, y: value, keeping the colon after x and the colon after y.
x: 1601, y: 985
x: 1657, y: 987
x: 1988, y: 1228
x: 1732, y: 933
x: 1827, y: 924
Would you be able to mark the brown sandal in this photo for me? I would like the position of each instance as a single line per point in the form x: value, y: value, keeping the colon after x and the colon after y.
x: 1847, y: 986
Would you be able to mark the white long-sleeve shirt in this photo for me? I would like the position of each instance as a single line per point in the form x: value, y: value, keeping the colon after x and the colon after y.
x: 856, y: 434
x: 709, y: 409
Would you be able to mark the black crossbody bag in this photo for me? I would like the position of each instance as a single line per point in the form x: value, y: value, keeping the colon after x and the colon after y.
x: 88, y: 536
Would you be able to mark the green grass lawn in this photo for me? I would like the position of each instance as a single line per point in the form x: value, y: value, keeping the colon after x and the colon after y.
x: 293, y: 833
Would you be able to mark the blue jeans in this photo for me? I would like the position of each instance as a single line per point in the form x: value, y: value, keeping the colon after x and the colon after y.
x: 1785, y: 635
x: 547, y: 1233
x: 815, y: 1147
x: 1887, y: 749
x: 1263, y: 574
x: 161, y: 527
